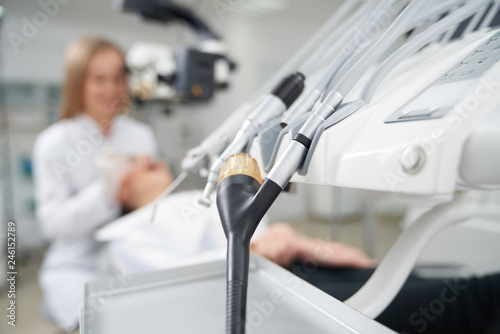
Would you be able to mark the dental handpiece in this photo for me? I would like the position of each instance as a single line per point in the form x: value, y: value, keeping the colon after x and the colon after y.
x: 280, y: 99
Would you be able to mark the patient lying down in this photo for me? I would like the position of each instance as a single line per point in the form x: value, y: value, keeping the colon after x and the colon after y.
x: 185, y: 232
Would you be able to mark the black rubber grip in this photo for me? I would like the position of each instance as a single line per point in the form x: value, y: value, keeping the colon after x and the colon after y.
x: 290, y: 88
x: 303, y: 140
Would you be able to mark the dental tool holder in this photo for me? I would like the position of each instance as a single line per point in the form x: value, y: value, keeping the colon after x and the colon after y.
x: 432, y: 129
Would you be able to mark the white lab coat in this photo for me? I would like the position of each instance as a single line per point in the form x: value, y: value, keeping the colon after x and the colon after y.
x: 71, y: 203
x: 182, y: 233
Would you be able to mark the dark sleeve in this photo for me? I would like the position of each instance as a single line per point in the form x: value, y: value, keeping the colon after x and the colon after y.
x: 423, y: 306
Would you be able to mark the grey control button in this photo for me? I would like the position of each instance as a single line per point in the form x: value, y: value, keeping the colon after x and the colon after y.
x: 412, y: 159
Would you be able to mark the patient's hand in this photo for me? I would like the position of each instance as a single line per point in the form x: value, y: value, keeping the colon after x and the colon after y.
x: 278, y: 244
x: 335, y: 254
x: 282, y: 245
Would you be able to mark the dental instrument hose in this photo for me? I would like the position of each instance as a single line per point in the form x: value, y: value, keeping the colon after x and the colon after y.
x: 418, y: 42
x: 269, y: 108
x: 293, y: 157
x: 380, y: 17
x: 343, y: 34
x: 384, y: 11
x: 352, y: 76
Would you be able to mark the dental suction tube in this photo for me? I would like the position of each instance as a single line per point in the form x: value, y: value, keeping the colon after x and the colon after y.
x: 239, y: 179
x: 242, y: 202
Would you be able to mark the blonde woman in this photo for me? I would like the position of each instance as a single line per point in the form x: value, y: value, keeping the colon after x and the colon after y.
x: 71, y: 195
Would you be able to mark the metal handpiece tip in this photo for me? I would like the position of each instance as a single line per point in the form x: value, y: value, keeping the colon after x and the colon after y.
x: 205, y: 201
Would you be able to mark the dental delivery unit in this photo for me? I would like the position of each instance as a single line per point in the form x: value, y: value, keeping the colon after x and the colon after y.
x: 390, y: 97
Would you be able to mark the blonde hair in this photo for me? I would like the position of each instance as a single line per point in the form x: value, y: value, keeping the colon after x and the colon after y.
x: 78, y: 55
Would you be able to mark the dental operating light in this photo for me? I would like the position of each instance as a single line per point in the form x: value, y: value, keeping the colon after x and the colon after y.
x: 176, y: 74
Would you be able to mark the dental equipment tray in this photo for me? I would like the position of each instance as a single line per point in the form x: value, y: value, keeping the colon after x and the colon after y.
x: 193, y: 300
